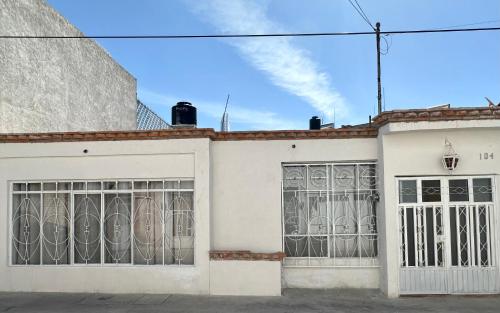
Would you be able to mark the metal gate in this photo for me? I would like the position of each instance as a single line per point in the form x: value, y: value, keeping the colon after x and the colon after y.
x: 447, y: 235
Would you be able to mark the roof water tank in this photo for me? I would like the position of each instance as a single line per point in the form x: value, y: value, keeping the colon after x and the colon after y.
x: 315, y: 123
x: 184, y: 114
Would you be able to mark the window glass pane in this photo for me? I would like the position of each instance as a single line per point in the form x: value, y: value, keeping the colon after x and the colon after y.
x: 295, y: 212
x: 87, y: 229
x: 141, y: 185
x: 63, y: 186
x: 26, y: 229
x: 345, y: 246
x: 49, y: 186
x: 124, y: 185
x: 117, y: 227
x: 407, y: 191
x: 410, y: 233
x: 296, y: 246
x: 76, y: 186
x: 344, y: 177
x: 187, y: 184
x: 56, y: 228
x: 367, y: 176
x: 19, y: 187
x: 294, y: 178
x: 367, y: 212
x: 482, y: 190
x: 429, y: 229
x: 368, y: 246
x: 179, y: 228
x: 459, y: 190
x: 155, y: 185
x: 93, y: 185
x: 316, y: 177
x: 318, y: 216
x: 318, y: 246
x: 109, y: 185
x: 34, y: 186
x: 453, y: 236
x: 431, y: 190
x: 148, y: 223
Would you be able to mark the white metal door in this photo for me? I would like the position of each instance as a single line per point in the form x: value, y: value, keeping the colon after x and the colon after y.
x: 447, y: 235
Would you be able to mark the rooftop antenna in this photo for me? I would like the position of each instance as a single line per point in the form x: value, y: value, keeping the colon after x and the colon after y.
x: 491, y: 103
x: 333, y: 116
x: 224, y: 123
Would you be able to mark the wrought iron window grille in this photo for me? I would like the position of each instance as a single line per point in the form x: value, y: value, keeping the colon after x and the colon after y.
x: 125, y: 222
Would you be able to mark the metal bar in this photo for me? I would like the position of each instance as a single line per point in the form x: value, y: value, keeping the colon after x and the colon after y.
x: 308, y: 237
x: 132, y: 221
x: 477, y: 239
x: 459, y: 254
x: 436, y: 240
x: 102, y: 221
x: 415, y: 240
x: 71, y: 225
x: 328, y: 208
x: 488, y: 233
x: 163, y: 224
x: 425, y: 242
x: 468, y: 233
x: 406, y: 235
x: 41, y: 224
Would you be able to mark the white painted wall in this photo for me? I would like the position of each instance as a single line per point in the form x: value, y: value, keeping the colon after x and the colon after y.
x: 331, y: 277
x: 247, y: 199
x: 416, y: 149
x: 245, y: 278
x: 186, y: 158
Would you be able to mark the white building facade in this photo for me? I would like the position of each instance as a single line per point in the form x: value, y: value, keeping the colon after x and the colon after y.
x: 249, y: 213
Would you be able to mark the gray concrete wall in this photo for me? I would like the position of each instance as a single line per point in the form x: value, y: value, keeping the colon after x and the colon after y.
x: 58, y: 84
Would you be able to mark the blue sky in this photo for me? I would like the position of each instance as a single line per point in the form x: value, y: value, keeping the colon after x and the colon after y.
x: 278, y: 83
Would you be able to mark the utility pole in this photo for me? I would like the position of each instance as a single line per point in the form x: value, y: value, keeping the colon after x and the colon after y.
x: 379, y: 96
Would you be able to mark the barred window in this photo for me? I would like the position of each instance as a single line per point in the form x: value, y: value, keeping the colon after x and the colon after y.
x: 103, y: 222
x: 329, y: 214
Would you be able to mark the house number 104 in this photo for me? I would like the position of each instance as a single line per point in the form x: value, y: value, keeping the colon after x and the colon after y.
x: 485, y: 155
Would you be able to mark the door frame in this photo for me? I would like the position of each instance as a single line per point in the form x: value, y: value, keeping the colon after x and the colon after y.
x: 442, y: 274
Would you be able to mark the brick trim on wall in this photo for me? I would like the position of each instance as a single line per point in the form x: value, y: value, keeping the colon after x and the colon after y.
x: 188, y: 133
x: 438, y: 114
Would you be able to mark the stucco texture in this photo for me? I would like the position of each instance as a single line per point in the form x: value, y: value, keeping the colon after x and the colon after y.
x: 49, y: 85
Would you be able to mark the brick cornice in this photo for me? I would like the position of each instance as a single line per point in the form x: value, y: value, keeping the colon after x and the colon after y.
x: 438, y: 114
x: 244, y: 255
x: 189, y: 133
x: 338, y: 133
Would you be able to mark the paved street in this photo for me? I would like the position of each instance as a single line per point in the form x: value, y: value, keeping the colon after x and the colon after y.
x: 294, y: 300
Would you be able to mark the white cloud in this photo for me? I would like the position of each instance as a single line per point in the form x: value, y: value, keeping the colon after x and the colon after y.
x: 238, y: 115
x: 286, y: 65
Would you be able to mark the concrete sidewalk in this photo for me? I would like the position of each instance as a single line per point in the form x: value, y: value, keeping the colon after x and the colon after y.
x: 293, y: 300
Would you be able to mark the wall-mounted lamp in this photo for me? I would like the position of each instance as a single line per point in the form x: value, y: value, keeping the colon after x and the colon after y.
x: 450, y: 157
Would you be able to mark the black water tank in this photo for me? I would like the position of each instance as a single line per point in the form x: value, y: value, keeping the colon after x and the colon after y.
x: 314, y: 123
x: 183, y: 113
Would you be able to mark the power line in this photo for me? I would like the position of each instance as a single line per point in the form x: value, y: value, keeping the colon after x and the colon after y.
x: 395, y: 32
x: 360, y: 11
x: 470, y: 24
